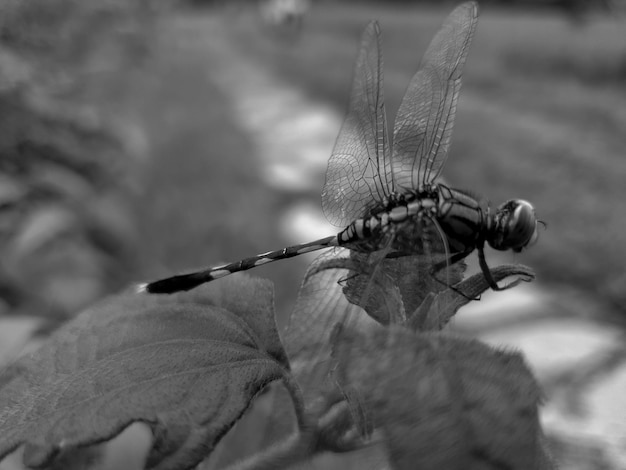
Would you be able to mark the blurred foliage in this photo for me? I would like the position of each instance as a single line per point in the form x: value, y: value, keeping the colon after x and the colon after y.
x: 65, y: 234
x: 557, y: 4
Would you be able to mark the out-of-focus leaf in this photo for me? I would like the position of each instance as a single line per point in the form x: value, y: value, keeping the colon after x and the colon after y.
x: 109, y: 225
x: 72, y: 290
x: 73, y: 37
x: 11, y: 191
x: 187, y: 365
x: 15, y: 332
x: 41, y: 227
x: 37, y: 129
x: 58, y: 146
x: 443, y: 402
x: 67, y: 271
x: 15, y: 71
x: 60, y: 182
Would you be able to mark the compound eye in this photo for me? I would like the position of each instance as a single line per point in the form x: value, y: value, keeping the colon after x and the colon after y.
x: 522, y: 227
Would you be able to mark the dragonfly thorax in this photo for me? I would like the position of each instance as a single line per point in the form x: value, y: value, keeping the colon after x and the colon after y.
x: 405, y: 221
x: 463, y: 219
x: 513, y: 226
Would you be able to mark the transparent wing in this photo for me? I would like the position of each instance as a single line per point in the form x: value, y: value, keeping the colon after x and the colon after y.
x: 321, y: 304
x: 359, y: 170
x: 387, y: 284
x: 357, y: 292
x: 424, y: 123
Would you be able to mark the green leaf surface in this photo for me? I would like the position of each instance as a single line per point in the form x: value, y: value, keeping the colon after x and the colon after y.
x: 443, y: 401
x: 187, y: 365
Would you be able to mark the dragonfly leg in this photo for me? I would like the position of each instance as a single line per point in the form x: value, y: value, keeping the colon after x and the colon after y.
x: 344, y: 280
x: 449, y: 262
x: 487, y: 273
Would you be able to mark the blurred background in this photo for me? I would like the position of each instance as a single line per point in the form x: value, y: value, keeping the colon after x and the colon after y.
x: 142, y: 138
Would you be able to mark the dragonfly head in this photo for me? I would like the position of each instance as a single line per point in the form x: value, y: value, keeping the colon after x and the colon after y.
x: 514, y: 226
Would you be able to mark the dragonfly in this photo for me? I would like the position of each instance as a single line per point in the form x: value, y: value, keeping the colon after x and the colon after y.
x: 386, y: 193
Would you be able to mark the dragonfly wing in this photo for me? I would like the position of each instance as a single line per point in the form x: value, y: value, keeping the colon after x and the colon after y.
x: 320, y: 305
x: 423, y: 127
x: 359, y: 169
x: 356, y: 292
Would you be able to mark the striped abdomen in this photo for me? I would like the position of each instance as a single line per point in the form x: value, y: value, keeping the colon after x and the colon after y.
x: 372, y: 233
x: 184, y: 282
x: 409, y: 224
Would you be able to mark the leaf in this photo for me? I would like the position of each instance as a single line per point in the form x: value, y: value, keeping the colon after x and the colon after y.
x: 325, y: 299
x: 438, y: 309
x: 15, y: 71
x: 442, y: 401
x: 398, y: 285
x: 320, y: 305
x: 187, y: 365
x: 41, y: 227
x: 322, y: 302
x: 11, y: 191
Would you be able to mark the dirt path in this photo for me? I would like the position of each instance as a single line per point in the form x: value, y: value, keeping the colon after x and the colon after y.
x: 292, y: 134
